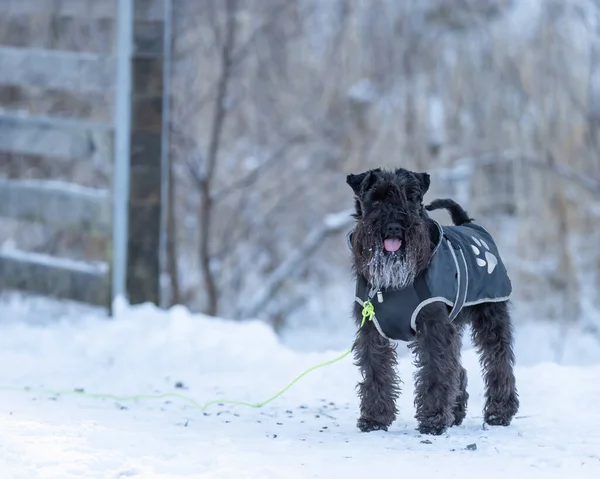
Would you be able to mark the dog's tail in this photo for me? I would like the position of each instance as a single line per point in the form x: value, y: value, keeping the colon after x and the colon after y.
x: 457, y: 213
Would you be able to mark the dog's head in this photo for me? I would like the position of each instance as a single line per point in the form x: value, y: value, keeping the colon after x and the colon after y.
x: 391, y: 241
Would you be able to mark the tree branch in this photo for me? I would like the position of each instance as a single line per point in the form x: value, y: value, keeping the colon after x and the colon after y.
x: 171, y: 247
x: 219, y: 116
x: 258, y: 224
x: 240, y: 53
x: 590, y: 184
x: 332, y: 224
x: 251, y: 177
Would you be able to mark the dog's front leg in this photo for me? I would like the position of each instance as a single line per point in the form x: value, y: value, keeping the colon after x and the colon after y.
x: 378, y: 391
x: 437, y: 380
x: 493, y: 337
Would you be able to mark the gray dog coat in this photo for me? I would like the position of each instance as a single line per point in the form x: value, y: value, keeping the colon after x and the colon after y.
x: 464, y: 270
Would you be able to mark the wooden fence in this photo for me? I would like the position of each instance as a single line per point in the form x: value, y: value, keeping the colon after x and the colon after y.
x: 105, y: 62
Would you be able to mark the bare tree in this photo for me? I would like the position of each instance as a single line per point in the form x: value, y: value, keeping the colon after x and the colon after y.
x: 205, y: 180
x: 318, y: 89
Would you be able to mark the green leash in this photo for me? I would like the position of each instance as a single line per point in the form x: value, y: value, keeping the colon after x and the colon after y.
x: 188, y: 399
x: 367, y: 315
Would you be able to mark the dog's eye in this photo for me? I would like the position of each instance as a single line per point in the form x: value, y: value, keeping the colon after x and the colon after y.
x: 414, y: 195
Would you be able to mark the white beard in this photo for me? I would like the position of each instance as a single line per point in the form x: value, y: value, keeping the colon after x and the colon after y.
x: 389, y: 270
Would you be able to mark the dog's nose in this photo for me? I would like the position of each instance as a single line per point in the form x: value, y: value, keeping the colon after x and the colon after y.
x: 394, y: 230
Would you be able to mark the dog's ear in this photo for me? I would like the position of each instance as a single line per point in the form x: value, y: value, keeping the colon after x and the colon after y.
x: 424, y: 181
x: 356, y: 181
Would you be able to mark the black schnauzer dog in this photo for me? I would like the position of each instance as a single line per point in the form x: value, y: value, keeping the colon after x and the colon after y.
x: 420, y: 282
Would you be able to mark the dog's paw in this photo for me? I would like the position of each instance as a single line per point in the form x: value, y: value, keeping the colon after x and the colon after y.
x: 494, y: 420
x: 460, y: 410
x: 435, y: 425
x: 459, y: 415
x: 432, y: 429
x: 368, y: 425
x: 500, y: 414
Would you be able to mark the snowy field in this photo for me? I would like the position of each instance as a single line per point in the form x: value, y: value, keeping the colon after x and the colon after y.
x: 309, y: 432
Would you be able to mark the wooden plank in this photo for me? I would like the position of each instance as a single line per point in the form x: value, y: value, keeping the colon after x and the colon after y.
x: 148, y: 39
x: 55, y: 138
x: 149, y: 10
x: 56, y: 277
x: 33, y: 101
x: 46, y: 31
x: 71, y: 8
x: 56, y: 69
x: 146, y: 161
x: 76, y: 34
x: 60, y: 204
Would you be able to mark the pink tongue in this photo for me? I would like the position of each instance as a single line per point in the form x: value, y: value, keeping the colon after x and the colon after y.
x: 392, y: 244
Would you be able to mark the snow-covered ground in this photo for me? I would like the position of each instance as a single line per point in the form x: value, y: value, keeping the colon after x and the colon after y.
x: 309, y: 432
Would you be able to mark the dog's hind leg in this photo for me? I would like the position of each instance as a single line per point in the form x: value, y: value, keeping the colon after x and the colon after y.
x: 462, y: 400
x: 493, y: 338
x: 437, y: 380
x: 378, y: 391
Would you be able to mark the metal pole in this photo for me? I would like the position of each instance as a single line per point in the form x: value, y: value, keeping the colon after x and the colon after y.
x: 122, y: 127
x: 165, y: 164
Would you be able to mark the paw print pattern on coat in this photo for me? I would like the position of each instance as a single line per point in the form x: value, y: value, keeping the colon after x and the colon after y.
x: 490, y: 260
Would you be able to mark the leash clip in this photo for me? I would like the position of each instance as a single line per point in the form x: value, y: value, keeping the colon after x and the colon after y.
x: 379, y: 297
x: 368, y: 312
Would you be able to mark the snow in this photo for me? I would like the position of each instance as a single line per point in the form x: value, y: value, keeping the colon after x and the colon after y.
x: 338, y: 220
x: 8, y: 251
x: 62, y: 187
x: 309, y: 432
x: 363, y: 91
